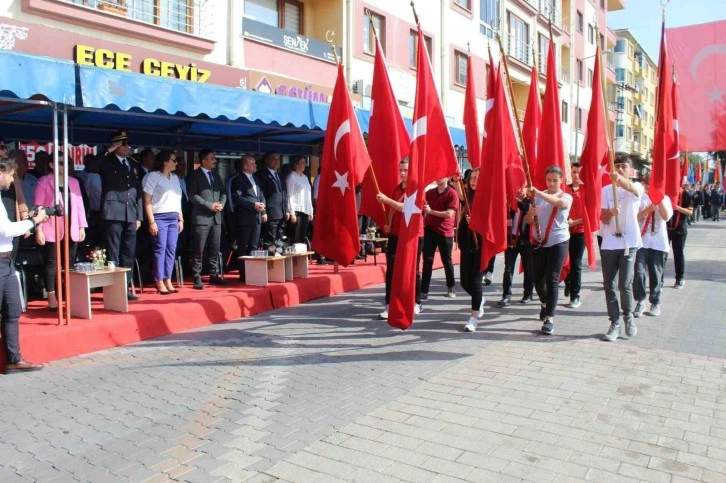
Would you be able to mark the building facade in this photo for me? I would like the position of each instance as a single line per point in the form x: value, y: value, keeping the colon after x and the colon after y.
x: 636, y: 82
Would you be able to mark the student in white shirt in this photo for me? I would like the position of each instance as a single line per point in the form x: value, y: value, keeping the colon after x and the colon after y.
x: 617, y: 252
x: 651, y: 259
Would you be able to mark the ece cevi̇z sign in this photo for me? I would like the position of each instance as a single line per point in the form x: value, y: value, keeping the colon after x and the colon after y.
x: 108, y: 59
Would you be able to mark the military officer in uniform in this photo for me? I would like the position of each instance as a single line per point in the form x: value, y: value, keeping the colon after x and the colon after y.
x: 121, y: 205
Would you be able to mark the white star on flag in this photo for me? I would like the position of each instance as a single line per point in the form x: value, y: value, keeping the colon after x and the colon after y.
x: 409, y: 207
x: 341, y: 181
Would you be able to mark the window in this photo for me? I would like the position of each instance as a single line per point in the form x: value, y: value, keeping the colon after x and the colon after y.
x: 591, y: 34
x: 369, y: 38
x: 565, y: 112
x: 589, y: 77
x: 463, y: 4
x: 630, y: 134
x: 602, y: 4
x: 638, y: 111
x: 578, y: 68
x: 172, y: 14
x: 580, y: 21
x: 619, y: 130
x: 518, y: 39
x: 284, y: 14
x: 413, y: 47
x: 489, y: 17
x: 620, y: 75
x: 652, y: 98
x: 621, y: 102
x: 578, y: 120
x: 620, y: 46
x: 461, y: 64
x: 602, y: 42
x: 544, y: 46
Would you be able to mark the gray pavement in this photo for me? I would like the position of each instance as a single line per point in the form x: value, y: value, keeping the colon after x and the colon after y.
x: 326, y: 392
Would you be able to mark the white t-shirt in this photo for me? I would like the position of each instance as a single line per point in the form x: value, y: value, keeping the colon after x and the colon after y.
x: 656, y: 234
x: 628, y: 204
x: 299, y: 193
x: 166, y: 193
x: 560, y: 230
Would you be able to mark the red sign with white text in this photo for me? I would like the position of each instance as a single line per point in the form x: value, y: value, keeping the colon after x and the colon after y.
x: 77, y: 153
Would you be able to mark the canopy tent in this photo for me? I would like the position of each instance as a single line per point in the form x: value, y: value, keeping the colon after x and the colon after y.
x: 159, y: 111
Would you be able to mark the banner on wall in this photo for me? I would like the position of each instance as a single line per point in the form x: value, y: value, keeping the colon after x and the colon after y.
x: 77, y: 153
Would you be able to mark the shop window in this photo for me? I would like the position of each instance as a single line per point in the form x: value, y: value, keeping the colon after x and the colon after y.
x: 284, y: 14
x: 369, y: 39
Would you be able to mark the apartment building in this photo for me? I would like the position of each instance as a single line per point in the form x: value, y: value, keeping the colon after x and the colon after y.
x: 635, y: 91
x: 281, y: 47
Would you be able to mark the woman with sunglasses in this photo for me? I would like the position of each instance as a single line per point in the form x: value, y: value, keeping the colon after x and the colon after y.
x: 163, y: 209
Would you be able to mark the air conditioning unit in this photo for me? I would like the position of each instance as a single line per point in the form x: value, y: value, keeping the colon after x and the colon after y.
x: 357, y: 87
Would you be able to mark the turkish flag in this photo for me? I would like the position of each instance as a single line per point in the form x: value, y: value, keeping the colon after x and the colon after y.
x: 344, y: 162
x: 674, y: 179
x: 699, y: 174
x: 666, y: 153
x: 388, y: 142
x: 471, y: 118
x: 491, y: 84
x: 489, y: 214
x: 432, y: 157
x: 550, y: 150
x: 595, y: 152
x: 530, y: 134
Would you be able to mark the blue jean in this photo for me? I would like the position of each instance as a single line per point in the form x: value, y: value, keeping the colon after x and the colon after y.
x: 10, y: 308
x: 165, y: 244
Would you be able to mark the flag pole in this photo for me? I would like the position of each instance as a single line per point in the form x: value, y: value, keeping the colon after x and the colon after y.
x: 520, y: 145
x: 370, y: 166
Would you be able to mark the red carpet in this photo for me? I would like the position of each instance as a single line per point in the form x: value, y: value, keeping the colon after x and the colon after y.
x: 41, y: 340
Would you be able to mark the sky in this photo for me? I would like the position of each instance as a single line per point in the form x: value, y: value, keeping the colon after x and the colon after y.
x: 643, y: 18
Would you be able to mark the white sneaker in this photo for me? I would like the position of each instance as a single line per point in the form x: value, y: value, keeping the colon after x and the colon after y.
x: 417, y: 309
x: 471, y: 325
x: 654, y: 310
x: 639, y: 309
x: 481, y: 307
x: 384, y: 315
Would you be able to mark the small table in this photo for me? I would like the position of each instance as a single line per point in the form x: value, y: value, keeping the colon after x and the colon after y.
x: 382, y: 240
x: 296, y: 265
x: 114, y: 291
x: 282, y: 268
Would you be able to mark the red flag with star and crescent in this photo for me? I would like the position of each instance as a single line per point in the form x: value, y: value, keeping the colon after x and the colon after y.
x: 666, y: 153
x: 388, y: 142
x: 471, y: 118
x: 344, y: 163
x: 432, y: 157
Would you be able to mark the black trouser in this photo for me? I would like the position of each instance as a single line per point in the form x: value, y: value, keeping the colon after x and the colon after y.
x: 471, y: 276
x: 205, y: 246
x: 121, y: 244
x: 574, y: 278
x: 298, y: 231
x: 248, y: 239
x: 445, y: 244
x: 391, y: 261
x: 510, y: 265
x: 51, y: 262
x: 10, y: 308
x: 548, y: 263
x: 272, y: 231
x: 678, y: 240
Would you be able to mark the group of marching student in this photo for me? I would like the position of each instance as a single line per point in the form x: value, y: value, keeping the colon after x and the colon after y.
x: 545, y: 230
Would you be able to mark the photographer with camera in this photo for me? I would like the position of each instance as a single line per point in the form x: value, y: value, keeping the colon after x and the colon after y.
x: 10, y: 302
x: 46, y: 194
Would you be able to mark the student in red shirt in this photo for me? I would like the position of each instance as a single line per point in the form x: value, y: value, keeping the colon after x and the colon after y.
x: 440, y: 209
x: 577, y: 237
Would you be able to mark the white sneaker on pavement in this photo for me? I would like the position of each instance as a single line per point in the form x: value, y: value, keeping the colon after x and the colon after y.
x: 470, y: 325
x: 384, y: 315
x: 481, y: 307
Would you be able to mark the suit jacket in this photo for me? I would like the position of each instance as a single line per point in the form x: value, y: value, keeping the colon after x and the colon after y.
x: 121, y: 190
x: 202, y: 196
x: 275, y: 194
x: 45, y: 196
x: 244, y: 199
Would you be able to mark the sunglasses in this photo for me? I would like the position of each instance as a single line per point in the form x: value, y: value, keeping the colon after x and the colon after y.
x: 173, y: 160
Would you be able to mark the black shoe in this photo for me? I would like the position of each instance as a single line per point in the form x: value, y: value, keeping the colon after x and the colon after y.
x: 218, y: 281
x: 548, y: 328
x: 424, y: 297
x: 505, y: 302
x: 133, y: 297
x: 198, y: 285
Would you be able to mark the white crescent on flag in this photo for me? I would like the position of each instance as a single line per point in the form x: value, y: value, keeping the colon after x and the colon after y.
x: 342, y: 131
x: 419, y: 128
x: 487, y: 107
x: 677, y: 154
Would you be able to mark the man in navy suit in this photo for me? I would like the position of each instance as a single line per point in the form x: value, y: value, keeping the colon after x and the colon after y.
x: 249, y: 210
x: 277, y: 207
x: 207, y: 196
x: 121, y: 206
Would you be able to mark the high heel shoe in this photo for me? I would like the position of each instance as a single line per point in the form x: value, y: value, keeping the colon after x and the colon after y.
x: 170, y: 287
x: 160, y: 291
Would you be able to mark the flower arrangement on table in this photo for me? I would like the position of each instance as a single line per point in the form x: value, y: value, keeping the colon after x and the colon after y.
x: 278, y: 247
x: 98, y: 257
x: 371, y: 232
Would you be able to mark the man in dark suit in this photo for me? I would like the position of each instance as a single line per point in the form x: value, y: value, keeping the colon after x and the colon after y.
x: 249, y: 211
x: 121, y: 206
x: 273, y: 187
x: 207, y: 196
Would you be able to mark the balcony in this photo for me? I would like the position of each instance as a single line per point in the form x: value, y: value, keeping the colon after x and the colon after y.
x: 548, y: 12
x: 531, y: 4
x: 562, y: 76
x: 518, y: 49
x: 614, y: 5
x: 613, y: 106
x: 636, y: 147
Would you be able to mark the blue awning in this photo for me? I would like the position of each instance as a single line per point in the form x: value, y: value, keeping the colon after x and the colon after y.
x: 34, y: 77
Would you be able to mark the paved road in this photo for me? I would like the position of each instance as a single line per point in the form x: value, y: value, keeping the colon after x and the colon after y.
x: 324, y: 392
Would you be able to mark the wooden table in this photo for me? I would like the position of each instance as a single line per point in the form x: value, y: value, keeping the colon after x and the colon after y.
x: 382, y: 240
x: 114, y: 291
x: 282, y: 268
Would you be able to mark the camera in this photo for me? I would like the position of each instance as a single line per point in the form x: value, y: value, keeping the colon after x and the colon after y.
x: 55, y: 210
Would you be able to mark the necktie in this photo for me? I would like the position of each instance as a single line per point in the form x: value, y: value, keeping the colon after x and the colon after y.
x: 277, y: 180
x: 126, y: 164
x: 211, y: 179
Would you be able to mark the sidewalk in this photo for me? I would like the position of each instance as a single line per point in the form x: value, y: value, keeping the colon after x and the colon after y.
x: 325, y: 392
